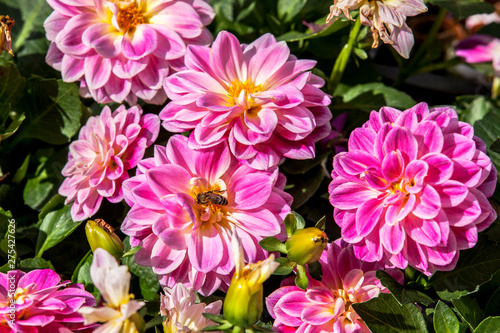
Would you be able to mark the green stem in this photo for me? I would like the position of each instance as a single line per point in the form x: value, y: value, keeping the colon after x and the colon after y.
x: 495, y: 88
x: 28, y: 25
x: 341, y: 62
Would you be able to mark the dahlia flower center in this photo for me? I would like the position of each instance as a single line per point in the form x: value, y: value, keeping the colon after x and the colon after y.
x: 210, y: 198
x: 20, y: 295
x: 348, y: 299
x: 400, y: 186
x: 129, y: 16
x: 242, y: 93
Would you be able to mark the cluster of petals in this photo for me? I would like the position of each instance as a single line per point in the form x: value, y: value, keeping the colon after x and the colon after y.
x: 113, y: 281
x: 259, y: 98
x: 413, y: 188
x: 480, y: 48
x: 107, y: 146
x: 386, y: 19
x: 121, y: 50
x: 183, y: 314
x: 326, y: 305
x: 42, y: 303
x: 184, y: 204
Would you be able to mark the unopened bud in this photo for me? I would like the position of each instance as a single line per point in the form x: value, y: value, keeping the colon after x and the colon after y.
x: 306, y: 245
x: 102, y: 235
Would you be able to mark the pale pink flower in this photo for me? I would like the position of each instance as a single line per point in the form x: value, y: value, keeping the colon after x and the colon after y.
x: 113, y: 281
x: 107, y: 146
x: 413, y: 188
x: 480, y: 48
x: 386, y: 19
x: 326, y: 306
x: 184, y: 315
x: 185, y: 203
x: 43, y: 304
x: 120, y: 50
x: 259, y: 98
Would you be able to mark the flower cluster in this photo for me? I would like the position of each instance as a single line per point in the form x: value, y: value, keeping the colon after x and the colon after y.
x: 121, y: 50
x: 326, y: 305
x: 107, y: 146
x: 185, y: 203
x: 43, y: 304
x: 259, y: 98
x: 413, y: 188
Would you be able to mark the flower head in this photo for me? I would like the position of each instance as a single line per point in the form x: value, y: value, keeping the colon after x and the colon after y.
x: 119, y: 310
x: 306, y: 245
x: 41, y: 303
x: 259, y: 98
x: 123, y: 49
x: 107, y: 146
x: 413, y: 188
x: 6, y: 24
x: 326, y: 306
x: 185, y: 203
x: 184, y: 315
x: 480, y: 48
x: 386, y: 19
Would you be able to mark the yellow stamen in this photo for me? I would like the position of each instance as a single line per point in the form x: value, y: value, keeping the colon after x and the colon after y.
x: 129, y: 16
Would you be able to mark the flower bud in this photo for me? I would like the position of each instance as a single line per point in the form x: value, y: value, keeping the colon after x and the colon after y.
x: 306, y: 245
x: 100, y: 234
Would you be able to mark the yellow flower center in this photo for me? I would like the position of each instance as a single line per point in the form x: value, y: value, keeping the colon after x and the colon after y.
x: 211, y: 198
x: 129, y: 16
x: 246, y: 101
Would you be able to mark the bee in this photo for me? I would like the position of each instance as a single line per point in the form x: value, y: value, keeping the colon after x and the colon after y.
x: 213, y: 197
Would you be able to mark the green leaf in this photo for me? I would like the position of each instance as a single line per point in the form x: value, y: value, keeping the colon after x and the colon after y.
x: 30, y: 264
x: 303, y: 187
x: 294, y: 221
x: 148, y: 280
x: 475, y: 267
x: 372, y: 96
x: 56, y: 226
x: 493, y: 305
x: 295, y: 36
x: 11, y: 82
x: 53, y: 110
x: 156, y: 321
x: 21, y: 172
x: 132, y: 251
x: 301, y: 280
x: 474, y: 107
x: 488, y: 129
x: 214, y: 318
x: 13, y: 126
x: 495, y: 146
x: 464, y: 8
x: 288, y: 9
x: 272, y: 244
x: 489, y: 325
x: 469, y: 310
x: 286, y: 266
x: 81, y: 274
x: 383, y: 314
x: 402, y: 295
x: 445, y: 320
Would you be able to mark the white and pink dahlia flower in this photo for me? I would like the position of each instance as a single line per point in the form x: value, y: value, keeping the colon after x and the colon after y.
x: 326, y: 305
x: 107, y: 146
x: 121, y: 50
x: 41, y: 303
x: 413, y: 188
x: 185, y: 204
x: 259, y: 98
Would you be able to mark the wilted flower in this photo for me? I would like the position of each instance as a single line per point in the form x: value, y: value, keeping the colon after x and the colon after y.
x: 259, y: 98
x: 386, y: 19
x: 184, y: 204
x: 243, y: 304
x: 41, y: 303
x: 107, y: 146
x: 119, y: 313
x: 480, y: 48
x: 306, y: 245
x: 413, y: 188
x: 101, y: 235
x: 326, y: 306
x: 6, y: 24
x: 123, y: 49
x: 184, y: 315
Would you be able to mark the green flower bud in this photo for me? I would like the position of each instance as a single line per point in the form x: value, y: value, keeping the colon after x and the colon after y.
x: 100, y: 234
x: 306, y: 245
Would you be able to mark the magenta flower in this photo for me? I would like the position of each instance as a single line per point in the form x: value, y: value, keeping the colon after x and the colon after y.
x: 186, y: 202
x: 326, y: 306
x: 107, y: 146
x: 43, y: 304
x: 259, y: 98
x: 120, y: 50
x: 413, y: 188
x: 480, y: 48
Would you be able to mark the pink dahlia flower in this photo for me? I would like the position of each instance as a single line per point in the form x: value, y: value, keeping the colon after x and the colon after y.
x: 123, y: 49
x: 259, y: 98
x: 413, y: 188
x: 107, y: 146
x: 480, y: 48
x: 185, y: 204
x: 326, y: 306
x: 43, y: 304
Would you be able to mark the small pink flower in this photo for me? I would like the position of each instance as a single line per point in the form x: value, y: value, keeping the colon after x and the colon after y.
x: 123, y: 49
x: 480, y: 48
x: 387, y: 19
x: 259, y: 98
x: 184, y: 315
x: 43, y: 304
x: 413, y: 188
x: 107, y: 146
x: 186, y: 202
x: 326, y: 306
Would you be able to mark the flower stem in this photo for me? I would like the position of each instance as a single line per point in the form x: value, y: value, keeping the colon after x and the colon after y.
x: 345, y: 53
x: 495, y: 88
